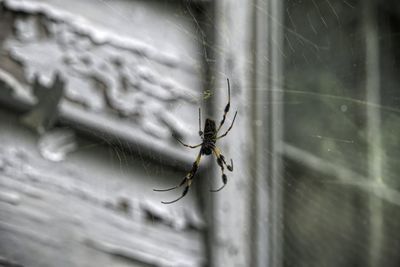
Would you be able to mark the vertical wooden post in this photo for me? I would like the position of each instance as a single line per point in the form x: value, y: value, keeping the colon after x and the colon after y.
x: 248, y: 50
x: 268, y: 132
x: 230, y: 235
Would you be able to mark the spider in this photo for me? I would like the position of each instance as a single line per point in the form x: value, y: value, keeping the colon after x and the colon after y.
x: 209, y: 137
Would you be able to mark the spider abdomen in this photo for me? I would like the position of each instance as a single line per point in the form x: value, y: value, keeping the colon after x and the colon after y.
x: 210, y: 131
x: 210, y: 138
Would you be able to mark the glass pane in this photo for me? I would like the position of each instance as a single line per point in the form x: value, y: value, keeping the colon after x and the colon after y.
x: 342, y: 145
x: 324, y: 81
x: 325, y: 221
x: 390, y: 94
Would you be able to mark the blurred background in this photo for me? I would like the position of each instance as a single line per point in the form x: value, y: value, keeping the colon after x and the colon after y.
x: 92, y: 92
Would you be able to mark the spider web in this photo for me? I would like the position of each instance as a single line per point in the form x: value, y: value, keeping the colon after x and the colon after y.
x: 322, y: 66
x: 340, y: 134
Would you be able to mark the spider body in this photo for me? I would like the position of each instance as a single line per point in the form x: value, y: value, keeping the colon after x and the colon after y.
x: 208, y: 146
x: 210, y: 137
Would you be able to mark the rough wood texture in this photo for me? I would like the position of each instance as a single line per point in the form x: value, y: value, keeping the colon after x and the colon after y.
x: 109, y: 76
x: 93, y: 209
x: 130, y: 89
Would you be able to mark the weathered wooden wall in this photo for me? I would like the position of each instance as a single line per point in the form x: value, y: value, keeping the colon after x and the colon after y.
x: 93, y: 209
x: 91, y: 93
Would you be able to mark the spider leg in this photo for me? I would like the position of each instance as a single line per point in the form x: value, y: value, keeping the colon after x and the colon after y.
x: 183, y: 194
x: 230, y: 127
x: 172, y: 188
x: 221, y: 162
x: 187, y: 180
x: 229, y: 167
x: 200, y: 131
x: 186, y: 144
x: 226, y: 110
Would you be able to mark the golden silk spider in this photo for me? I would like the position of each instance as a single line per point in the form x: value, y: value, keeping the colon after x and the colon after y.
x: 209, y: 137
